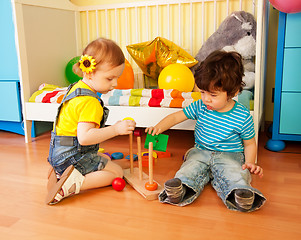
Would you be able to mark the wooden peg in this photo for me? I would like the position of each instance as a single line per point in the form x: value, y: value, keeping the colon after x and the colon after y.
x: 131, y: 147
x: 151, y: 185
x: 138, y: 134
x: 150, y: 164
x: 139, y: 180
x: 131, y: 153
x: 139, y: 157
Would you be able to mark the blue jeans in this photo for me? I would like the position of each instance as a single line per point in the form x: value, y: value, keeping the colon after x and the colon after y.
x: 223, y: 169
x: 83, y: 158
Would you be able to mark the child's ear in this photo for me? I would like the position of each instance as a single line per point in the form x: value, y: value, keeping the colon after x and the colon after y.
x: 88, y: 75
x: 234, y: 95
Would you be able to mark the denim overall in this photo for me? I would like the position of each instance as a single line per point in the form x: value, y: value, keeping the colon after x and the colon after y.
x: 66, y: 150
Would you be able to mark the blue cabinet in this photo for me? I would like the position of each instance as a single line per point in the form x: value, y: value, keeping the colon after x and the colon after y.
x: 287, y: 103
x: 10, y: 99
x: 10, y: 102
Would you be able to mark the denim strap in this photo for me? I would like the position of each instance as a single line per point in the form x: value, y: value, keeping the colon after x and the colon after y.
x: 82, y: 92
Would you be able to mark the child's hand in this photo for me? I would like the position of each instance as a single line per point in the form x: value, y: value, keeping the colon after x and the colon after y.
x: 124, y: 127
x: 253, y: 168
x: 153, y: 130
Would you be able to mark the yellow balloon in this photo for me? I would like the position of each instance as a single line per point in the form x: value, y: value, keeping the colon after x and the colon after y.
x: 176, y: 76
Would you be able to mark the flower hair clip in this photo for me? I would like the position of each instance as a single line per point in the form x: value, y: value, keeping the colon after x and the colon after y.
x: 87, y: 63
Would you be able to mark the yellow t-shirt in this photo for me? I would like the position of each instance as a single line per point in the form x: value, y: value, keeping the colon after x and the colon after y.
x: 78, y: 109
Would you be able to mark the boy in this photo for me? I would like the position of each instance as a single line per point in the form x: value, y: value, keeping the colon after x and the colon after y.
x: 225, y: 147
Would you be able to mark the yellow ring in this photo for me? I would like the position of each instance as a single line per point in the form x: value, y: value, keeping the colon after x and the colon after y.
x: 129, y: 118
x: 155, y: 155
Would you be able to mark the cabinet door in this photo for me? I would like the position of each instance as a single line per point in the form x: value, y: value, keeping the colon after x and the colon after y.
x: 10, y: 107
x: 290, y: 113
x: 291, y: 80
x: 9, y: 60
x: 293, y: 30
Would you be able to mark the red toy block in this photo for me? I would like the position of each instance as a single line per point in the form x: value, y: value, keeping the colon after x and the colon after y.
x: 164, y: 154
x: 145, y: 161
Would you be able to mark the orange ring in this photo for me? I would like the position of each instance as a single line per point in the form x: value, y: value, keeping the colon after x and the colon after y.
x: 151, y: 187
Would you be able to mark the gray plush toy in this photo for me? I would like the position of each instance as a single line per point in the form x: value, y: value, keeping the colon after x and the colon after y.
x: 236, y: 33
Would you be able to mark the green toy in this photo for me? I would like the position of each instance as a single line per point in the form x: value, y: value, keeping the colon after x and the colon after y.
x: 159, y: 142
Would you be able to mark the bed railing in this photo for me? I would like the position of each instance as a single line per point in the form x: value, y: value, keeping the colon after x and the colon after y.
x: 187, y: 23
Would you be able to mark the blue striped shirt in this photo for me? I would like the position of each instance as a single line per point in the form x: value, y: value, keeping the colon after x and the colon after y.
x: 221, y: 131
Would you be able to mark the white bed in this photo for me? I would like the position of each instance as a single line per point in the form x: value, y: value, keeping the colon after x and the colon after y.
x: 51, y: 32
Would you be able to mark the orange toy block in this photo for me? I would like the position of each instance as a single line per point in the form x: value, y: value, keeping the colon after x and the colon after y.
x: 145, y: 161
x: 164, y: 154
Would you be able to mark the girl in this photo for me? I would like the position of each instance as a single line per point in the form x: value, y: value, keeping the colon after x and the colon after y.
x: 79, y: 125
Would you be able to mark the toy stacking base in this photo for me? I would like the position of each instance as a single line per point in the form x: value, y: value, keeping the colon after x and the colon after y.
x: 139, y: 185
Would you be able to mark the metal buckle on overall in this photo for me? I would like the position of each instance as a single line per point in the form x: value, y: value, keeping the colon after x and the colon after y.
x: 66, y: 141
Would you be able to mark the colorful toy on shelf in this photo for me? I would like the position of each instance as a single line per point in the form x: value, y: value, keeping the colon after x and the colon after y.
x: 126, y: 80
x: 142, y: 183
x: 287, y: 6
x: 118, y: 184
x: 176, y: 76
x: 70, y: 75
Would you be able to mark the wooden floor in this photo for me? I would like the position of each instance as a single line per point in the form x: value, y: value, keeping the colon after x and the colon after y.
x: 107, y: 214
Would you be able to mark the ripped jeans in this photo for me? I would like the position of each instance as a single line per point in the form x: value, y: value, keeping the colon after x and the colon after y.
x: 223, y: 169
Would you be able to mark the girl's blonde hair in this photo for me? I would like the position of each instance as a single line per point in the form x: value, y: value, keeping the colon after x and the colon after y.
x: 103, y: 51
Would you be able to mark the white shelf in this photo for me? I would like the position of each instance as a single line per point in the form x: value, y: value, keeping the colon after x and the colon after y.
x: 143, y: 116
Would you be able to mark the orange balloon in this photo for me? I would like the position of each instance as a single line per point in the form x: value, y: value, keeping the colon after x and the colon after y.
x: 126, y: 80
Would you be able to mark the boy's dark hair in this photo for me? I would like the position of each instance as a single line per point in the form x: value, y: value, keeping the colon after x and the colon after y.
x: 221, y: 71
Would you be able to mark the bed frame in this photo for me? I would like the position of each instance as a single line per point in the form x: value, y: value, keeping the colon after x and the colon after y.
x: 51, y: 32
